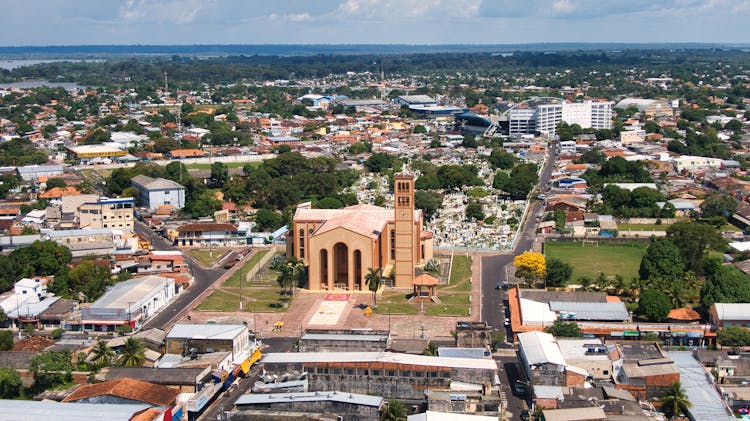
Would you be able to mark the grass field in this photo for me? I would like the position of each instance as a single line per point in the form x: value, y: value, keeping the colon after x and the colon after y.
x: 234, y: 280
x: 454, y: 297
x: 208, y: 257
x: 590, y: 259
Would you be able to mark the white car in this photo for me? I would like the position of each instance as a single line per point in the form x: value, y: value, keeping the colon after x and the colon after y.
x: 507, y: 322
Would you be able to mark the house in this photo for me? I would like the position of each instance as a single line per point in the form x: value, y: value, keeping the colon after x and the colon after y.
x: 729, y: 314
x: 543, y: 363
x: 184, y: 380
x: 574, y: 414
x: 85, y: 242
x: 162, y: 261
x: 107, y: 213
x: 124, y: 391
x: 196, y: 339
x: 203, y: 234
x: 186, y: 153
x: 155, y: 192
x: 128, y: 303
x: 34, y: 172
x: 643, y: 369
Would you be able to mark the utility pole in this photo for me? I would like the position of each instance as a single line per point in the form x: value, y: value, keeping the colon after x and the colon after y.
x: 242, y: 280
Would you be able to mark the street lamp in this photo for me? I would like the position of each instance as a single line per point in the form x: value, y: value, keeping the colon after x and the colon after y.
x: 241, y: 279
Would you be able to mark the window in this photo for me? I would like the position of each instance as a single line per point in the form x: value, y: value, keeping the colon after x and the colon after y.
x: 393, y: 244
x: 302, y: 244
x: 349, y: 372
x: 605, y: 372
x: 375, y: 372
x: 391, y: 373
x: 417, y: 374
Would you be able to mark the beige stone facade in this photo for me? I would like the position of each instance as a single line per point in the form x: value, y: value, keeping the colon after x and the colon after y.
x: 341, y: 245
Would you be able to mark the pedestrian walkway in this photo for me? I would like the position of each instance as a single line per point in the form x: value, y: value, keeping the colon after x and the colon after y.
x: 700, y: 389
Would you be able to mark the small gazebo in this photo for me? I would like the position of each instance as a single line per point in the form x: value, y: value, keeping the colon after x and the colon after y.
x: 425, y: 281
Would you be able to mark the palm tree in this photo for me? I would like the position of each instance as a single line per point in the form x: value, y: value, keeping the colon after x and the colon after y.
x: 394, y: 411
x: 431, y: 349
x: 373, y: 281
x: 102, y: 355
x: 286, y: 277
x: 133, y: 353
x: 675, y: 402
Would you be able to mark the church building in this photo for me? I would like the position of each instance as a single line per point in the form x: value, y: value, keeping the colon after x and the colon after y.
x: 340, y: 245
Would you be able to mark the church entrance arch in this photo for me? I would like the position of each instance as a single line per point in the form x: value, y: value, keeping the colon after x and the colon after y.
x: 341, y: 266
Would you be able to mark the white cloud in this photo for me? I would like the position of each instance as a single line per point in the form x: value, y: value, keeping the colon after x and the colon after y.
x: 167, y: 11
x: 390, y: 10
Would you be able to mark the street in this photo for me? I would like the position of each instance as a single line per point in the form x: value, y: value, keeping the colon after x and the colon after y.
x: 203, y: 279
x: 493, y: 267
x: 225, y: 401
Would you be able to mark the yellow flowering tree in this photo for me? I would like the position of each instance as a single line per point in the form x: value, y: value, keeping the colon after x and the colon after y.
x: 530, y: 266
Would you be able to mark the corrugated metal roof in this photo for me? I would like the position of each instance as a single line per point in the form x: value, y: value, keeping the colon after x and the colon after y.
x: 383, y: 357
x: 343, y: 337
x: 206, y: 331
x: 732, y: 311
x: 334, y: 396
x: 613, y: 311
x: 540, y: 348
x: 18, y: 410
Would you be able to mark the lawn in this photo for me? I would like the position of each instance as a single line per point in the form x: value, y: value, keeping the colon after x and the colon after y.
x: 589, y: 259
x: 460, y: 274
x: 455, y: 298
x: 208, y: 257
x: 234, y: 280
x: 267, y: 299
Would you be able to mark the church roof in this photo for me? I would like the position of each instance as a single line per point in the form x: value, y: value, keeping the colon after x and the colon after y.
x: 367, y: 220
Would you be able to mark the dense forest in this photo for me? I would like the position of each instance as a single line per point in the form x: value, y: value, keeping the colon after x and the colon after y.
x: 234, y: 68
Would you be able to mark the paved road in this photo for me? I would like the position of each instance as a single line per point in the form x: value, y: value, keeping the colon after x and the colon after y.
x: 224, y: 402
x: 493, y: 267
x: 203, y: 279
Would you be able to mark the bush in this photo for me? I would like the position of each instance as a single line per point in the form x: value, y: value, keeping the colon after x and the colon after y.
x: 6, y: 340
x: 57, y: 333
x: 432, y: 266
x: 123, y: 330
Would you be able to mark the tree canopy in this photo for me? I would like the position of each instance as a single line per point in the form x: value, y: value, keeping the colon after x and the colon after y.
x: 558, y: 272
x: 564, y: 329
x: 654, y: 305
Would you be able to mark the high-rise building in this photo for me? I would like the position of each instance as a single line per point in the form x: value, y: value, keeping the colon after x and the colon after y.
x: 543, y: 115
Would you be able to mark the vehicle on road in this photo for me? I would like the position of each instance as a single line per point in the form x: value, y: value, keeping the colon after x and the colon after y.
x: 507, y: 322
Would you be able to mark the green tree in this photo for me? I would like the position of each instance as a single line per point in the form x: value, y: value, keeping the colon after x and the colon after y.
x: 286, y: 277
x: 654, y: 305
x: 662, y: 260
x: 89, y: 278
x: 219, y: 174
x: 733, y: 336
x: 430, y: 350
x: 379, y: 162
x: 694, y: 240
x: 51, y: 368
x: 394, y: 411
x: 133, y: 353
x: 564, y: 329
x: 329, y: 203
x: 501, y: 159
x: 102, y: 355
x: 6, y: 340
x: 420, y: 129
x: 55, y: 182
x: 718, y: 205
x: 373, y: 282
x: 725, y: 284
x: 558, y: 272
x: 428, y: 202
x: 10, y: 383
x: 675, y: 402
x: 474, y: 211
x: 652, y: 127
x: 267, y: 220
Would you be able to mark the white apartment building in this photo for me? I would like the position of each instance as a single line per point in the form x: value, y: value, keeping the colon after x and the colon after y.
x: 544, y: 116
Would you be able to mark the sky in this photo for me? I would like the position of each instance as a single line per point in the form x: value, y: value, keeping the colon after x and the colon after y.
x: 99, y: 22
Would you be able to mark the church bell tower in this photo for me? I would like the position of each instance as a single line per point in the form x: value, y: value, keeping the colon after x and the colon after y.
x: 404, y: 230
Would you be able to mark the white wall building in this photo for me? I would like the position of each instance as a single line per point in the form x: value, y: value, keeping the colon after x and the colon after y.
x: 155, y: 192
x: 543, y: 116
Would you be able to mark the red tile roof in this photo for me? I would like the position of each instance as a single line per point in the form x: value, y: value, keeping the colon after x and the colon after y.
x: 128, y: 389
x: 206, y: 226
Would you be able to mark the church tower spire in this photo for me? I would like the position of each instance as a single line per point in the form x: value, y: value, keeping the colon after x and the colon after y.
x: 404, y: 229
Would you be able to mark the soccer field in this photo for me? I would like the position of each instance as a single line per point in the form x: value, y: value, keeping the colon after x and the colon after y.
x: 589, y: 259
